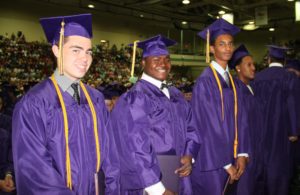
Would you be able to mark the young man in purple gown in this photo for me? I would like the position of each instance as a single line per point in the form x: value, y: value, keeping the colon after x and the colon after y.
x: 153, y: 119
x: 220, y: 116
x: 61, y: 132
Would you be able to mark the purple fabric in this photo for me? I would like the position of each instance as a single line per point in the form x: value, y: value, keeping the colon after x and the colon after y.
x: 239, y: 53
x: 209, y: 182
x: 155, y: 46
x: 217, y: 135
x: 217, y: 28
x: 39, y: 143
x: 147, y: 123
x: 275, y: 89
x: 295, y: 64
x: 252, y: 179
x: 80, y: 25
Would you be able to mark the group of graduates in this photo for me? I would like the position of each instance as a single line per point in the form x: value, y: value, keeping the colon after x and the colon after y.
x: 233, y: 137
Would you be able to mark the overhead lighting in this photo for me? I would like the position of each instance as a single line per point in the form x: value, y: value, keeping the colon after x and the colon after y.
x: 250, y: 27
x: 103, y: 41
x: 297, y: 10
x: 91, y: 6
x: 271, y: 29
x: 251, y: 22
x: 290, y: 0
x: 184, y: 22
x: 221, y: 12
x: 185, y: 2
x: 228, y: 17
x: 141, y: 15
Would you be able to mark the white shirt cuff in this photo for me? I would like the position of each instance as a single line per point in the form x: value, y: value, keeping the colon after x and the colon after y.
x: 243, y: 154
x: 156, y: 189
x: 227, y: 166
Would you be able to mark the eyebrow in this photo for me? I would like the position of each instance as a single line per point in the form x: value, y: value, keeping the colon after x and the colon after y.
x: 78, y: 47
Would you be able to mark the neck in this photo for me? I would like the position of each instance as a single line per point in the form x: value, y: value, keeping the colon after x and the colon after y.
x: 244, y: 80
x: 222, y: 63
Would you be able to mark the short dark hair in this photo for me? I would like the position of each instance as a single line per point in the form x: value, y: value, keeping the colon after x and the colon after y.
x: 279, y: 60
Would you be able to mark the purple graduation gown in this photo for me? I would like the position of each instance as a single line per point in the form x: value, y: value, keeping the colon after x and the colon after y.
x: 39, y: 143
x: 217, y: 135
x: 275, y: 88
x: 147, y: 123
x: 251, y: 182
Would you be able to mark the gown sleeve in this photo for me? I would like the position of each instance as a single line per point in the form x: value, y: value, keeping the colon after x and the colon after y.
x: 34, y: 171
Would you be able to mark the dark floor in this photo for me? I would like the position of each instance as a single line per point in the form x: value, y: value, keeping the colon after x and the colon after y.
x: 295, y: 184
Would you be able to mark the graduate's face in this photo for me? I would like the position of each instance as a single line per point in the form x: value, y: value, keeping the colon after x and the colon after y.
x: 77, y: 56
x: 223, y: 48
x: 157, y: 67
x: 246, y: 68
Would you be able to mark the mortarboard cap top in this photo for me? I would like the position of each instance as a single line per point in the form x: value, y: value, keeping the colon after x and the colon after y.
x: 239, y: 53
x: 219, y: 27
x: 155, y: 46
x: 277, y: 51
x: 80, y: 25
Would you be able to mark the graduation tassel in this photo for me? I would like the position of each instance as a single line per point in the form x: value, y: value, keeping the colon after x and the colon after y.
x: 132, y: 78
x: 207, y: 46
x: 60, y: 48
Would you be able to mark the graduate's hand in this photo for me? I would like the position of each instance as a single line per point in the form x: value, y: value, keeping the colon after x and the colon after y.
x: 240, y: 165
x: 169, y: 192
x: 186, y: 167
x: 293, y: 138
x: 232, y: 171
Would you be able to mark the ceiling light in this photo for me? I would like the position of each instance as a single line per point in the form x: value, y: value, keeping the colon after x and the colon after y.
x: 91, y: 6
x: 103, y: 41
x: 297, y: 10
x: 221, y: 12
x: 185, y: 2
x: 251, y: 22
x: 141, y: 15
x: 250, y: 27
x: 271, y: 29
x: 229, y: 17
x: 290, y: 0
x: 184, y: 22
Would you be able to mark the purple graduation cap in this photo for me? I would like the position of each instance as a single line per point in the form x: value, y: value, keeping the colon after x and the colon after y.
x: 277, y: 52
x: 239, y: 53
x: 219, y: 27
x: 155, y: 46
x: 293, y: 63
x: 80, y: 25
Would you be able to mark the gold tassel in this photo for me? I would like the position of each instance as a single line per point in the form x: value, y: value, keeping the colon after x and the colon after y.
x: 60, y: 48
x: 133, y: 58
x: 207, y: 46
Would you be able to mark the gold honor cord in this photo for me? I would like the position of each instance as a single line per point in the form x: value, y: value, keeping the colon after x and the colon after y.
x: 235, y: 107
x: 220, y: 89
x: 133, y: 58
x: 235, y: 118
x: 66, y: 129
x: 60, y: 48
x: 92, y: 108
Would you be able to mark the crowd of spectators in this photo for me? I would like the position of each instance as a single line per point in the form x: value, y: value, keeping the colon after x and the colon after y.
x: 23, y: 64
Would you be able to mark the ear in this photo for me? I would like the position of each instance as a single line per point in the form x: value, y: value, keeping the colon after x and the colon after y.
x: 212, y: 49
x: 238, y: 68
x: 143, y: 63
x: 55, y: 50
